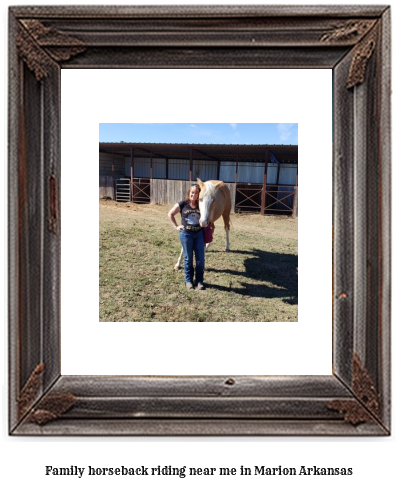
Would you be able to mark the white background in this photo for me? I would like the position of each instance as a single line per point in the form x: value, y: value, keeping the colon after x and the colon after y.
x: 374, y: 460
x: 91, y: 347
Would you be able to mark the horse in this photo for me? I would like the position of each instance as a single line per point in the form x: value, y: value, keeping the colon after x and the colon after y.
x: 214, y: 202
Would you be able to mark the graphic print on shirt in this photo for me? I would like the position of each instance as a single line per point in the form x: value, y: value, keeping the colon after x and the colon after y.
x: 192, y: 218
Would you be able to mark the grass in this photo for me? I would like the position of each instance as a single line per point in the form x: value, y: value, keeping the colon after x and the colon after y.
x: 256, y: 282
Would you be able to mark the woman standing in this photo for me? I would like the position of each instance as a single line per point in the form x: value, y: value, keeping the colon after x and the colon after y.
x: 191, y: 236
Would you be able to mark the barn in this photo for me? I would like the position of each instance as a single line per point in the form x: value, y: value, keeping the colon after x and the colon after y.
x: 262, y: 178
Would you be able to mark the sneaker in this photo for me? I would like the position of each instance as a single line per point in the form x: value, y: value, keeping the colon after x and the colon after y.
x: 200, y: 286
x: 189, y: 286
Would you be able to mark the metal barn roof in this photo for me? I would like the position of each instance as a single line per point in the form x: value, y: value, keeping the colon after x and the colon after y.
x: 222, y: 152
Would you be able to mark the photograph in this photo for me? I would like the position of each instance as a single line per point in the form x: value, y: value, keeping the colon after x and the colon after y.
x: 222, y: 182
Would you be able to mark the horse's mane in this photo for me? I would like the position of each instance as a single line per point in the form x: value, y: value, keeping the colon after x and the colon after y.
x: 211, y: 189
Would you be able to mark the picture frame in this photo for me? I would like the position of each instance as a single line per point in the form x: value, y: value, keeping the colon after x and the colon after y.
x: 352, y: 41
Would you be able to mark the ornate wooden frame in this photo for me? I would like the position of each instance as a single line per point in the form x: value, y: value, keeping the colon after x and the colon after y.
x: 353, y: 41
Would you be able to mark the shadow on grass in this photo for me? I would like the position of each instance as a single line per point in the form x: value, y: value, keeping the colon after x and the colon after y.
x: 262, y: 269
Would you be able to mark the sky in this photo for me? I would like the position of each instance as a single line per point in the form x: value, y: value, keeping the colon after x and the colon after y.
x: 226, y: 133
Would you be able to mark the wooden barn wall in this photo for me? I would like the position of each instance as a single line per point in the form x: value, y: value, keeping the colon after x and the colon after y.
x: 107, y: 188
x: 106, y: 165
x: 167, y: 192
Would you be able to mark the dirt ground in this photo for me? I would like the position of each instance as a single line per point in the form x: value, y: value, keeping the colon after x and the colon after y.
x: 257, y: 281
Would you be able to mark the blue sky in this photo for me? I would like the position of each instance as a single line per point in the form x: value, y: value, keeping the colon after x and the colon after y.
x: 228, y: 133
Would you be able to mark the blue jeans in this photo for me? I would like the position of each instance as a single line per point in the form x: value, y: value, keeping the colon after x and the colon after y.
x: 193, y: 243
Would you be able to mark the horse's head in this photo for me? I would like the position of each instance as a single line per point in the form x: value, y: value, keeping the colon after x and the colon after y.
x: 206, y: 201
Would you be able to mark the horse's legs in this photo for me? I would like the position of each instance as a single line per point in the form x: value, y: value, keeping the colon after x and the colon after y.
x: 226, y: 220
x: 179, y: 261
x: 227, y: 239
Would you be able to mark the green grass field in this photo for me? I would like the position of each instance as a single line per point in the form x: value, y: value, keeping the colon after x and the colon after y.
x: 256, y: 282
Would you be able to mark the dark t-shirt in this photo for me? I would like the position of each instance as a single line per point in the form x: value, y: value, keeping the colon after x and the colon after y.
x: 189, y: 216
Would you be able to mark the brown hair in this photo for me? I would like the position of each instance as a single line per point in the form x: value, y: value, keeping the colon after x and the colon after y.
x: 189, y: 189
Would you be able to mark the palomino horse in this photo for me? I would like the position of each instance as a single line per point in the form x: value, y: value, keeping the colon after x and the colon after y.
x: 214, y: 202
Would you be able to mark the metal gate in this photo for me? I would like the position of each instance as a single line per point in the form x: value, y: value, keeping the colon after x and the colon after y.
x: 279, y: 199
x: 272, y: 199
x: 141, y: 190
x: 248, y: 198
x: 122, y: 187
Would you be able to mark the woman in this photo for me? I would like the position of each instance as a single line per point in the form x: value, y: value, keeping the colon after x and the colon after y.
x: 191, y: 237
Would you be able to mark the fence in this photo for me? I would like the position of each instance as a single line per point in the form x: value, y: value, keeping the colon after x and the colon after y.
x: 165, y: 192
x: 245, y: 198
x: 273, y: 199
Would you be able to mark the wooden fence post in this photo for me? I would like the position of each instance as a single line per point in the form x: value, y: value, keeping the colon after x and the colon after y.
x: 295, y: 205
